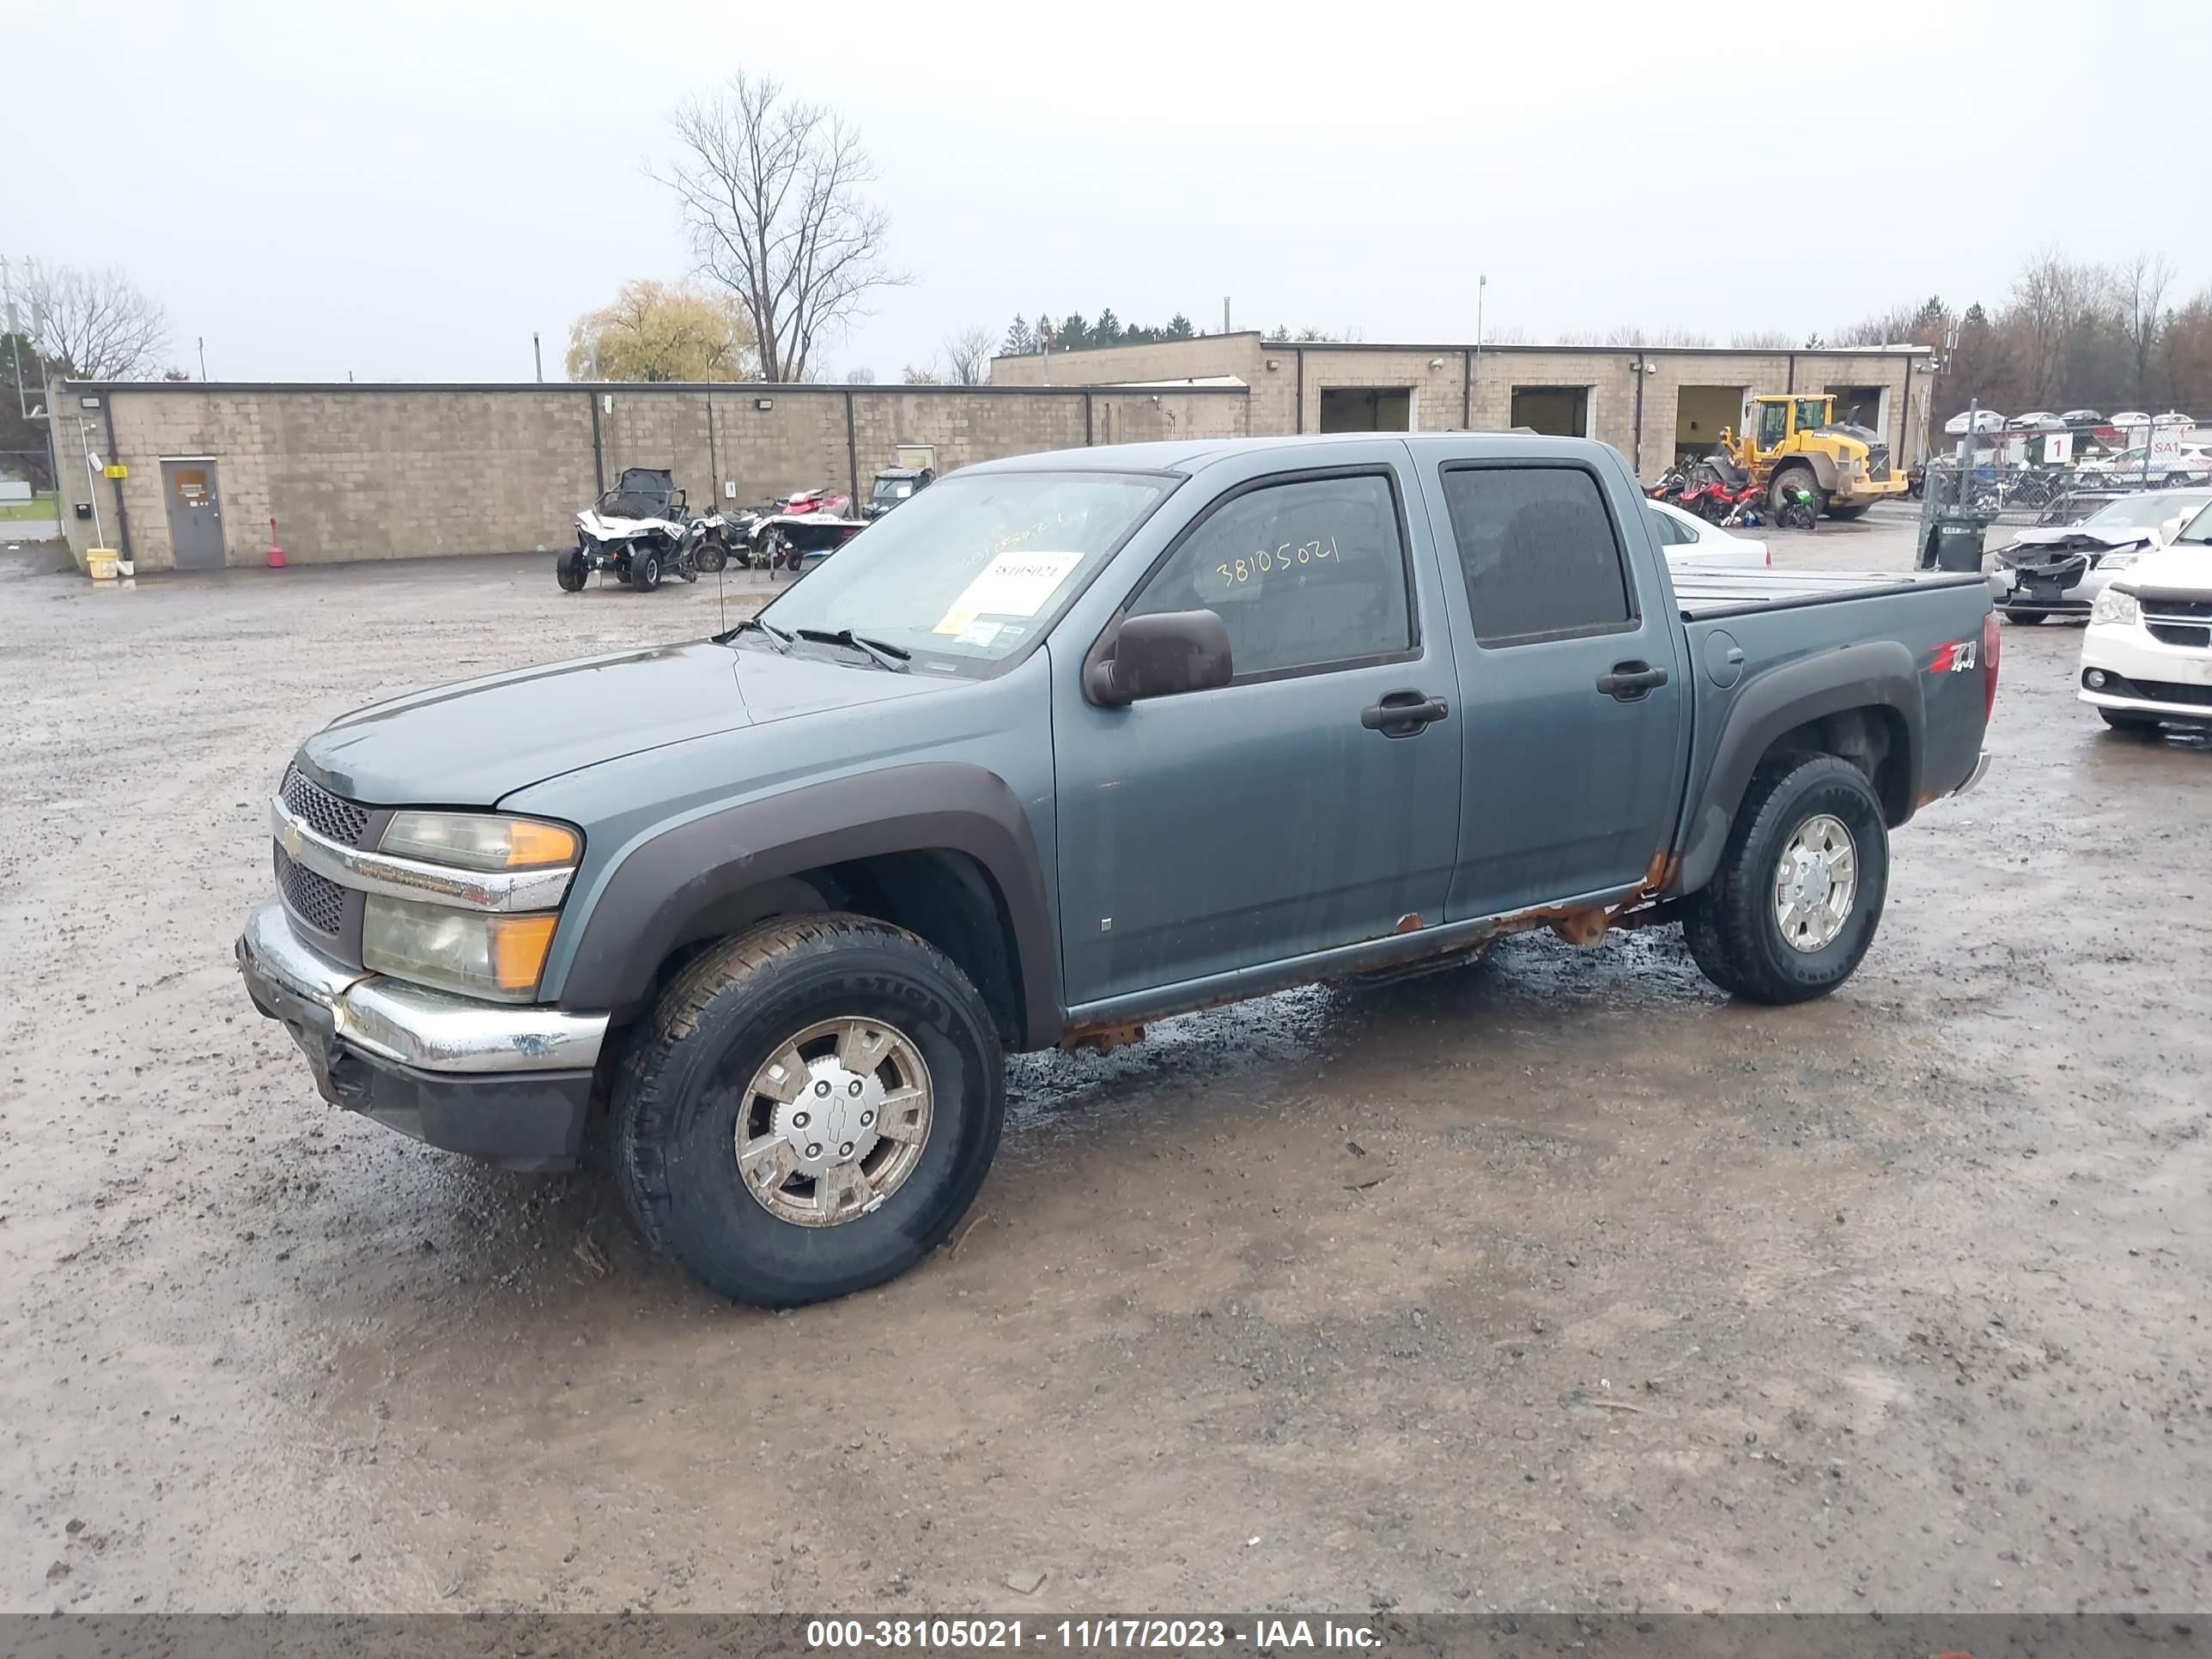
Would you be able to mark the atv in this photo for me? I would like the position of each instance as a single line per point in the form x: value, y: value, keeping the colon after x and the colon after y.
x: 641, y: 531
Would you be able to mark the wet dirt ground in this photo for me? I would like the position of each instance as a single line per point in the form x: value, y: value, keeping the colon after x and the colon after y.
x: 1560, y: 1281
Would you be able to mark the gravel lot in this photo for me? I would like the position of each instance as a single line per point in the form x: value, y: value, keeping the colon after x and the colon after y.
x: 1556, y: 1282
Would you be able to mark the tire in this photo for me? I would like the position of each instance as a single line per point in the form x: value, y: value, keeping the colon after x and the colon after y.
x: 569, y: 569
x: 711, y: 556
x: 1732, y: 929
x: 687, y: 1079
x: 687, y: 569
x: 645, y: 571
x: 2121, y: 720
x: 2023, y: 618
x: 1845, y: 514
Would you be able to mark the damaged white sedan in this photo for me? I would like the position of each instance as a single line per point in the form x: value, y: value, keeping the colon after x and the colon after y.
x: 2059, y: 571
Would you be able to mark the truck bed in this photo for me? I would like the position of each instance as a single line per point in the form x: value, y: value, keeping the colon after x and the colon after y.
x: 1705, y: 595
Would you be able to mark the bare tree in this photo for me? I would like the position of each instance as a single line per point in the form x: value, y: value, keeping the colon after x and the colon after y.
x: 967, y: 355
x: 2140, y: 286
x: 94, y: 325
x: 1762, y: 339
x: 860, y: 377
x: 770, y: 188
x: 921, y: 374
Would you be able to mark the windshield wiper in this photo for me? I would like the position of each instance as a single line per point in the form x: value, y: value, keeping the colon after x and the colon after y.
x: 884, y: 656
x: 781, y: 638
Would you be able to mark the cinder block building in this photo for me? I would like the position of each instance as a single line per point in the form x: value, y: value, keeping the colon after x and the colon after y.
x: 1651, y: 403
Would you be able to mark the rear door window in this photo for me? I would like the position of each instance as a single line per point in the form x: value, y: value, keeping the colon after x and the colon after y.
x: 1537, y: 549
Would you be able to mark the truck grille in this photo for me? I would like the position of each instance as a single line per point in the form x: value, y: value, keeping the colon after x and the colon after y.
x: 2168, y: 631
x: 1878, y: 463
x: 326, y: 814
x: 314, y: 901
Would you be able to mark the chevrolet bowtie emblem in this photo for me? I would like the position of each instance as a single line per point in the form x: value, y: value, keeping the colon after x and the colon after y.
x: 291, y: 840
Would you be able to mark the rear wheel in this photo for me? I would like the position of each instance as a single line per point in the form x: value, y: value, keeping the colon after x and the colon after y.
x: 569, y: 569
x: 645, y: 571
x: 1792, y: 909
x: 811, y: 1107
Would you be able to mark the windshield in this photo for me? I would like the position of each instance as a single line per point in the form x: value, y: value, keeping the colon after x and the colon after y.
x: 2200, y: 527
x: 2141, y: 512
x: 893, y: 489
x: 974, y: 567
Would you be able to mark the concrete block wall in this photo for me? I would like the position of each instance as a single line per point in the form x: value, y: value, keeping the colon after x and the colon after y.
x: 361, y: 472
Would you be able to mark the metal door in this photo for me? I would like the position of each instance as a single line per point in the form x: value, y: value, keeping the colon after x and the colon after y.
x: 1282, y: 814
x: 195, y: 515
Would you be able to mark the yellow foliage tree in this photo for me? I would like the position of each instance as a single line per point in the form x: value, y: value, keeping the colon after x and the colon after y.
x: 663, y: 331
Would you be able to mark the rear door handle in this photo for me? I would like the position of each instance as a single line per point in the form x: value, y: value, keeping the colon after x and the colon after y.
x: 1629, y: 682
x: 1403, y: 713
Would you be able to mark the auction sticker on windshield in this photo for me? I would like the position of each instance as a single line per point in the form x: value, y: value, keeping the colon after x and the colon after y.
x: 1012, y: 584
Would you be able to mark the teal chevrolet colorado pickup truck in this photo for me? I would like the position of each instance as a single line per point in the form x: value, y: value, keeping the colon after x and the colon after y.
x: 1068, y: 744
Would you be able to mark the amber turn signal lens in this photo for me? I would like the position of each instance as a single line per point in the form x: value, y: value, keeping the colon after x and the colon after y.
x: 530, y: 842
x: 519, y: 944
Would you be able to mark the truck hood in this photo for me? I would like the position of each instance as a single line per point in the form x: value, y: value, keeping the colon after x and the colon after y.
x: 472, y: 742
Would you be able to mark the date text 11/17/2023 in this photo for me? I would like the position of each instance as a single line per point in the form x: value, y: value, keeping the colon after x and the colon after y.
x: 1087, y: 1634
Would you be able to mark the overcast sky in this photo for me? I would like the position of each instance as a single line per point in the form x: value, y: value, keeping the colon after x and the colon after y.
x: 406, y: 193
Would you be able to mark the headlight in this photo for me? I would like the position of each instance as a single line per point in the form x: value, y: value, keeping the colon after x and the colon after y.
x: 472, y: 953
x: 478, y: 840
x: 2116, y: 605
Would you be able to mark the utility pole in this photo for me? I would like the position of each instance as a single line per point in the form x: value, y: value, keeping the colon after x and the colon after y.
x: 538, y: 354
x: 1225, y: 314
x: 15, y: 335
x: 201, y: 340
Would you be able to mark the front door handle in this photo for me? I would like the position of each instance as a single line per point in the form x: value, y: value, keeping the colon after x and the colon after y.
x: 1403, y: 713
x: 1631, y: 682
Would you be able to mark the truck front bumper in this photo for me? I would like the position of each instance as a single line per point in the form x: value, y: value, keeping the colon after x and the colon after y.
x: 508, y: 1084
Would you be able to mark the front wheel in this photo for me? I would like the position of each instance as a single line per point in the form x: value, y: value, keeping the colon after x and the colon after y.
x: 1794, y: 905
x: 808, y: 1110
x: 711, y: 556
x: 645, y: 572
x: 1845, y: 514
x: 2122, y: 719
x: 569, y: 569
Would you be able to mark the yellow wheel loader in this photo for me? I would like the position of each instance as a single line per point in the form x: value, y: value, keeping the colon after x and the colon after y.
x: 1793, y: 440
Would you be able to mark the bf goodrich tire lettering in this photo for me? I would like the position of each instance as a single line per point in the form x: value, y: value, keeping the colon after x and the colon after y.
x: 1735, y: 927
x: 688, y: 1096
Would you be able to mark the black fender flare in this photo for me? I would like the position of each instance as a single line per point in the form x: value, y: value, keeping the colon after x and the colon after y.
x: 648, y: 906
x: 1872, y: 674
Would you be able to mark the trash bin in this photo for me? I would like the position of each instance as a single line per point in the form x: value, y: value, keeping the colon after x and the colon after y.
x: 1953, y: 545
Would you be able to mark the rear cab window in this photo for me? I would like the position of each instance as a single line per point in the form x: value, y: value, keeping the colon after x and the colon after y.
x: 1539, y: 553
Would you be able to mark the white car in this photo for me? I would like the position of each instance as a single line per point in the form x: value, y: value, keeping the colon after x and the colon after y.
x: 2191, y: 465
x: 1986, y: 420
x: 2060, y: 570
x: 2036, y: 420
x: 1691, y: 544
x: 2146, y: 654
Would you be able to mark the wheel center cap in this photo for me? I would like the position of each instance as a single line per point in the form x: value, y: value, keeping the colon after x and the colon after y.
x: 831, y: 1121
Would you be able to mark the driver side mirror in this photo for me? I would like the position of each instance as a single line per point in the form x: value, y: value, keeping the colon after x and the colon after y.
x: 1160, y: 656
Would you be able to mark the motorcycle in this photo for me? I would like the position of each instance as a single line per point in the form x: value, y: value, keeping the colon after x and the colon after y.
x: 1797, y: 510
x: 1672, y: 483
